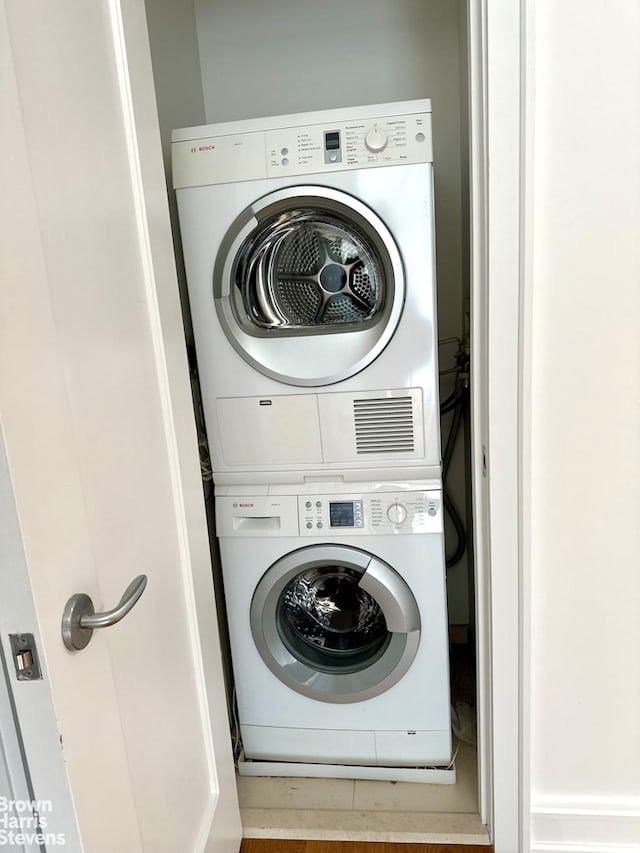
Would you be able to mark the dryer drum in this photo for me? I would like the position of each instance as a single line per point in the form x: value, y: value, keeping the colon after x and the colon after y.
x: 305, y: 269
x: 301, y: 268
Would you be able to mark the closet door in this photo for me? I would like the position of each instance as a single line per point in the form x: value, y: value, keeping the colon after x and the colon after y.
x: 100, y: 438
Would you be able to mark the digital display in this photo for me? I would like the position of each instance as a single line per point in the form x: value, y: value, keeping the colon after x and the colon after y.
x: 332, y: 140
x: 341, y: 514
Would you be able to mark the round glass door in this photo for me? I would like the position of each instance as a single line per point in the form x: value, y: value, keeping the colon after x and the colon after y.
x: 335, y: 623
x: 327, y: 620
x: 309, y: 285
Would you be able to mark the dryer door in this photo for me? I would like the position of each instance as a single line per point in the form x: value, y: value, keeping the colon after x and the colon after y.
x: 309, y: 285
x: 335, y: 623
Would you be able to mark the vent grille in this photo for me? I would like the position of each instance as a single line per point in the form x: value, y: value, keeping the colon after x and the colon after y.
x: 384, y: 425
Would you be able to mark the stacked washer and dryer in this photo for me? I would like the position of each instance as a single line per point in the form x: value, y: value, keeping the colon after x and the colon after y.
x: 309, y: 252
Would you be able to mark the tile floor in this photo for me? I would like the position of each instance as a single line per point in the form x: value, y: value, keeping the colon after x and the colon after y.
x: 347, y: 809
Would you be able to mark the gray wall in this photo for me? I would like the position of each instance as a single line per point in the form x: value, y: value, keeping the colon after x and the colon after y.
x: 178, y: 85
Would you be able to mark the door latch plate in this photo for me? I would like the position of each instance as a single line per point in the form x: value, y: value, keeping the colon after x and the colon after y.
x: 25, y: 657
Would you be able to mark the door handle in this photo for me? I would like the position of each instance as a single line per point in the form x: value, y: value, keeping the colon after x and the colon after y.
x: 79, y: 619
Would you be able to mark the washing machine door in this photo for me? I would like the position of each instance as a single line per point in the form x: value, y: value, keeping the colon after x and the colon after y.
x: 335, y: 623
x: 309, y: 285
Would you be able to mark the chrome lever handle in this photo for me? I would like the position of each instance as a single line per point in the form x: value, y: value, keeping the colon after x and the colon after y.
x: 129, y: 597
x: 79, y: 619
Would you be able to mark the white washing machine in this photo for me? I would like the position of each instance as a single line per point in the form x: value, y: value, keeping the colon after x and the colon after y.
x: 337, y: 618
x: 309, y: 252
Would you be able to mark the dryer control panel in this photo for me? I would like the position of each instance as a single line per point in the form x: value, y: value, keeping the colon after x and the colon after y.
x: 382, y: 513
x: 332, y: 145
x: 349, y: 144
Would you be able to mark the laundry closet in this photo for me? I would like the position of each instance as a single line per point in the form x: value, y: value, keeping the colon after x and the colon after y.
x: 219, y: 61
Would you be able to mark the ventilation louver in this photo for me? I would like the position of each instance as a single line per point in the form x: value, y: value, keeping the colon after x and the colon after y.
x: 384, y: 425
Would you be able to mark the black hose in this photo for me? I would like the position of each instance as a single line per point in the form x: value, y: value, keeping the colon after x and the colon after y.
x: 453, y: 434
x: 454, y: 429
x: 461, y: 534
x: 452, y: 396
x: 451, y: 402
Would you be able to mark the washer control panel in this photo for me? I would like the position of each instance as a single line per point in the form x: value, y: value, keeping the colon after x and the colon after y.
x: 383, y: 513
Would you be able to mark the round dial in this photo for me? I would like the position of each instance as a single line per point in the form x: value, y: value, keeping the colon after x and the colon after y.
x: 397, y: 513
x: 376, y: 139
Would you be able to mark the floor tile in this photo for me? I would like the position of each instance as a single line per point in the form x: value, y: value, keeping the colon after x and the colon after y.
x: 262, y: 792
x: 407, y: 797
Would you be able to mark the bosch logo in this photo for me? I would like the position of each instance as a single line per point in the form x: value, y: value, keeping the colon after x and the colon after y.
x: 235, y: 506
x: 207, y: 148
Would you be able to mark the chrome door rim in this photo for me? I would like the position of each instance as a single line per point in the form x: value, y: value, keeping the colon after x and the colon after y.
x: 395, y: 598
x: 259, y: 347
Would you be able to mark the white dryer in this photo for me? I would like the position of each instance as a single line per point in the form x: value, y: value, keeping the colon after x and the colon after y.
x: 309, y: 252
x: 337, y: 618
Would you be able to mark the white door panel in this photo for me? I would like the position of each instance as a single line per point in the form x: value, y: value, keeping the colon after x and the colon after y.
x: 100, y: 438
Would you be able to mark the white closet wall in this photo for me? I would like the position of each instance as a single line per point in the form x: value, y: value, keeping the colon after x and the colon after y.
x: 289, y: 56
x: 585, y: 465
x: 219, y: 60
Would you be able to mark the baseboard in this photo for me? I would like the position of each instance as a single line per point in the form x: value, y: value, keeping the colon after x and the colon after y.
x: 585, y: 827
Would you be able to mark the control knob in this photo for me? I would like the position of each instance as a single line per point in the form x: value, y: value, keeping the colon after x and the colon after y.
x: 376, y: 139
x: 397, y: 513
